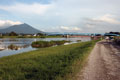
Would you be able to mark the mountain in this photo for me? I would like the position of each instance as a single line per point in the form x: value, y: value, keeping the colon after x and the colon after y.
x: 21, y: 29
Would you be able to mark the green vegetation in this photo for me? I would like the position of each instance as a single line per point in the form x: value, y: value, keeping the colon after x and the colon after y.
x: 13, y: 34
x: 30, y: 36
x: 38, y: 35
x: 78, y: 40
x: 13, y: 47
x: 117, y: 40
x: 52, y: 63
x: 42, y: 44
x: 56, y: 36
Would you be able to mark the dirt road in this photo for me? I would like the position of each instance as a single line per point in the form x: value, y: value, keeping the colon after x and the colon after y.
x: 103, y: 63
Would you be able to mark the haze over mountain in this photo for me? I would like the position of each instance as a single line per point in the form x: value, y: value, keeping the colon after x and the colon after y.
x: 21, y: 29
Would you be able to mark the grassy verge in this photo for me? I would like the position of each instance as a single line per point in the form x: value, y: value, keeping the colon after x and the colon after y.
x: 53, y: 63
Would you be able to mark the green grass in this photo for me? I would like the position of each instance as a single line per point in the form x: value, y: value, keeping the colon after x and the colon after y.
x: 59, y: 36
x: 52, y: 63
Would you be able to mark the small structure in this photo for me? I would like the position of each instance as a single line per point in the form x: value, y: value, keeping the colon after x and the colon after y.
x: 112, y: 35
x: 0, y: 34
x: 67, y: 36
x: 96, y: 36
x: 35, y: 35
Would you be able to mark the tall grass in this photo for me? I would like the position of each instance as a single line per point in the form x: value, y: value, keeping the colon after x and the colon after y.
x: 52, y: 63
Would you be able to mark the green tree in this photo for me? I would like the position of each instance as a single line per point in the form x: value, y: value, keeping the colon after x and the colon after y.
x: 13, y: 34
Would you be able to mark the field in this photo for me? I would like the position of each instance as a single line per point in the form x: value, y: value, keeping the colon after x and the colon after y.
x: 52, y: 63
x: 30, y: 36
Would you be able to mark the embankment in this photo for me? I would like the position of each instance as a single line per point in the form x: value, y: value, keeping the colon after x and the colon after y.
x: 52, y: 63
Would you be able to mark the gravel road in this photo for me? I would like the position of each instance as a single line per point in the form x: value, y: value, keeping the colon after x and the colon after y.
x: 103, y: 63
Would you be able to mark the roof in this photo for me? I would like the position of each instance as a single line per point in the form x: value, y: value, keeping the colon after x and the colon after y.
x: 109, y: 34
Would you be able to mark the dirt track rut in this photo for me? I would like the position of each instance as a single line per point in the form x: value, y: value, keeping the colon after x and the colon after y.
x: 103, y: 63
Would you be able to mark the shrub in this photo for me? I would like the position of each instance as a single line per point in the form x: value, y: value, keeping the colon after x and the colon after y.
x: 42, y: 44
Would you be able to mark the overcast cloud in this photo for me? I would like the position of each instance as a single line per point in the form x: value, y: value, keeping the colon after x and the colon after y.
x: 64, y: 15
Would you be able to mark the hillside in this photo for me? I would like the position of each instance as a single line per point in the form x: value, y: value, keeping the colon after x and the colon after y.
x: 21, y: 29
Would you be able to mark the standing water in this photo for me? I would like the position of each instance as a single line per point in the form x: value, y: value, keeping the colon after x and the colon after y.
x: 10, y: 46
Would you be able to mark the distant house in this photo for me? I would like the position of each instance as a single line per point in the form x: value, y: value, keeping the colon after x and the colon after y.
x: 67, y: 36
x: 1, y: 34
x: 34, y: 34
x: 113, y: 35
x: 28, y: 35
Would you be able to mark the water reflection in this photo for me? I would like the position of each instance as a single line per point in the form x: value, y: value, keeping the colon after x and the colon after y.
x: 13, y: 44
x: 10, y: 46
x: 16, y: 47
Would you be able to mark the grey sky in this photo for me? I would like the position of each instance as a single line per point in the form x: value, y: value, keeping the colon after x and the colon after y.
x: 64, y: 15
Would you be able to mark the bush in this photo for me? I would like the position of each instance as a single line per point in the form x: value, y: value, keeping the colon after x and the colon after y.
x: 13, y: 47
x: 42, y: 44
x: 117, y: 41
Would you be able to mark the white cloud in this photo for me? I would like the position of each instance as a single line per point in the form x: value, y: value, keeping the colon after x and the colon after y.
x: 76, y: 29
x: 34, y: 8
x: 107, y: 18
x: 101, y: 24
x: 7, y: 23
x: 65, y: 28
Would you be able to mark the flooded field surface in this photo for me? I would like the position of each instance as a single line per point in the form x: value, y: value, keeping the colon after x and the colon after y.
x: 10, y: 46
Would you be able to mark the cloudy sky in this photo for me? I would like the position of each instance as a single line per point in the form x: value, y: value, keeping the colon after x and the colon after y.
x: 84, y: 16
